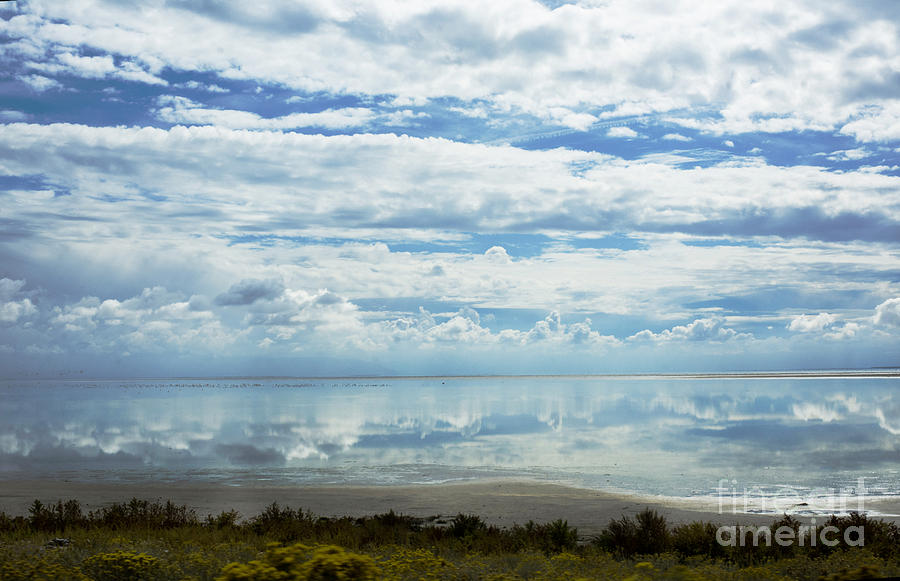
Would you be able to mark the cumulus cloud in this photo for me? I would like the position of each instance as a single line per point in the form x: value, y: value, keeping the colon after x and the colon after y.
x: 155, y: 321
x: 248, y: 291
x: 811, y: 323
x: 497, y: 255
x: 622, y: 132
x: 40, y: 83
x: 13, y: 305
x: 887, y: 314
x: 709, y: 329
x: 551, y: 331
x: 878, y: 123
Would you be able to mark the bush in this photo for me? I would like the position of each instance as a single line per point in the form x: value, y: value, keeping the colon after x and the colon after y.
x: 55, y: 518
x: 466, y: 525
x: 645, y: 535
x: 561, y: 537
x: 332, y: 563
x: 696, y: 538
x: 296, y: 563
x: 283, y: 523
x: 122, y: 566
x: 144, y: 514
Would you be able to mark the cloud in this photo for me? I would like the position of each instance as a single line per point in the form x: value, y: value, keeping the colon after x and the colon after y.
x: 627, y: 132
x: 180, y: 110
x: 11, y: 309
x: 196, y: 85
x: 879, y: 123
x: 291, y: 179
x: 811, y: 323
x: 676, y: 137
x: 887, y: 314
x: 497, y: 255
x: 154, y: 321
x: 248, y: 291
x: 40, y: 83
x: 552, y: 330
x: 90, y: 67
x: 314, y: 244
x: 12, y: 116
x: 709, y: 329
x: 767, y: 73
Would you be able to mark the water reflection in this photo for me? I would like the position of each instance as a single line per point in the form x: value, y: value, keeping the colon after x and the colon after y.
x: 657, y: 435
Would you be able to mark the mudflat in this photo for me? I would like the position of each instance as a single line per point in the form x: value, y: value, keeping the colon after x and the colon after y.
x: 498, y: 502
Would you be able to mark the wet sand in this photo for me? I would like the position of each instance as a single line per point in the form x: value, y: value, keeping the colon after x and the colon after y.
x: 499, y: 502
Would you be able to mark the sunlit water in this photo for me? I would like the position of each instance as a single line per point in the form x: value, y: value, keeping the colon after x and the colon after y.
x: 758, y: 444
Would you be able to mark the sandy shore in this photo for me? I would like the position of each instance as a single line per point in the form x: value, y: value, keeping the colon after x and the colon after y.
x: 500, y: 502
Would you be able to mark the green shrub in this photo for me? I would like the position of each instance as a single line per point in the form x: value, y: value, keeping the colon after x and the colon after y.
x: 645, y: 535
x: 298, y: 563
x: 122, y: 566
x: 31, y: 568
x: 561, y: 537
x: 138, y: 513
x: 330, y: 563
x: 466, y: 525
x: 696, y: 538
x: 55, y: 517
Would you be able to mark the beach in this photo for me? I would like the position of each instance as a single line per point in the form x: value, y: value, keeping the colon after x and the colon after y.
x: 498, y: 502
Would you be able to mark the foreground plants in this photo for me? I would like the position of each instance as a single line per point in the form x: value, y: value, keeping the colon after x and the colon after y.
x: 150, y: 541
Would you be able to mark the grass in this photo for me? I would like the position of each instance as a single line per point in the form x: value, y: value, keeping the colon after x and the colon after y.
x: 143, y: 540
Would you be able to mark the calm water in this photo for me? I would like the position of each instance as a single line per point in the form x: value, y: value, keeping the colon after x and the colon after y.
x: 761, y: 438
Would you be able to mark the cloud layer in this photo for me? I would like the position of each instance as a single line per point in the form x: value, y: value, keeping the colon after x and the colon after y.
x: 430, y: 187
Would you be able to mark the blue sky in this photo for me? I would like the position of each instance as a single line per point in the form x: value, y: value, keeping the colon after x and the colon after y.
x: 307, y: 188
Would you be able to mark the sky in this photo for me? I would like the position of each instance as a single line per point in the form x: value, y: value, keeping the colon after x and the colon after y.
x: 438, y: 187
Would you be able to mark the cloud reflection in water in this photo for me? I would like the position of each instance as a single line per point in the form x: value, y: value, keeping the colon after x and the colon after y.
x: 659, y: 435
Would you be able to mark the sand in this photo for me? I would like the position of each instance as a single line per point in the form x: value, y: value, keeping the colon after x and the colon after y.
x: 499, y: 502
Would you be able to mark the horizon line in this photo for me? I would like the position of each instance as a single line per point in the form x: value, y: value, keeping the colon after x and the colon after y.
x: 871, y: 372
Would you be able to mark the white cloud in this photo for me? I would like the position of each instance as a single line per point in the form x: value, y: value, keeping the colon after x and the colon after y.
x: 676, y: 137
x: 403, y: 118
x: 91, y: 67
x: 709, y: 329
x: 40, y: 83
x: 621, y: 132
x: 497, y: 255
x: 154, y: 321
x: 315, y: 213
x: 811, y: 323
x: 808, y: 66
x: 210, y: 88
x: 180, y: 110
x: 728, y: 143
x: 887, y: 314
x: 876, y: 124
x: 13, y: 306
x: 849, y: 154
x: 577, y: 121
x: 12, y: 116
x: 848, y: 330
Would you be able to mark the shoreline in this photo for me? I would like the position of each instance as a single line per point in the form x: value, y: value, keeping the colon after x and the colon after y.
x: 497, y: 501
x: 868, y: 373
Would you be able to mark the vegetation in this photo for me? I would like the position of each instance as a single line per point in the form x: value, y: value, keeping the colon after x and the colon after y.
x: 141, y: 540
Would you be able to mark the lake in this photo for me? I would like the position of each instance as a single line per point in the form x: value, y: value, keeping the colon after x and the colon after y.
x: 757, y: 440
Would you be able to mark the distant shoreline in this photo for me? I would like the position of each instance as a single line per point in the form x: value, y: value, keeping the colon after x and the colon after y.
x: 872, y: 373
x: 499, y: 502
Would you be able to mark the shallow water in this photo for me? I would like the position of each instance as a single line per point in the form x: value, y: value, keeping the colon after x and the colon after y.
x: 805, y: 444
